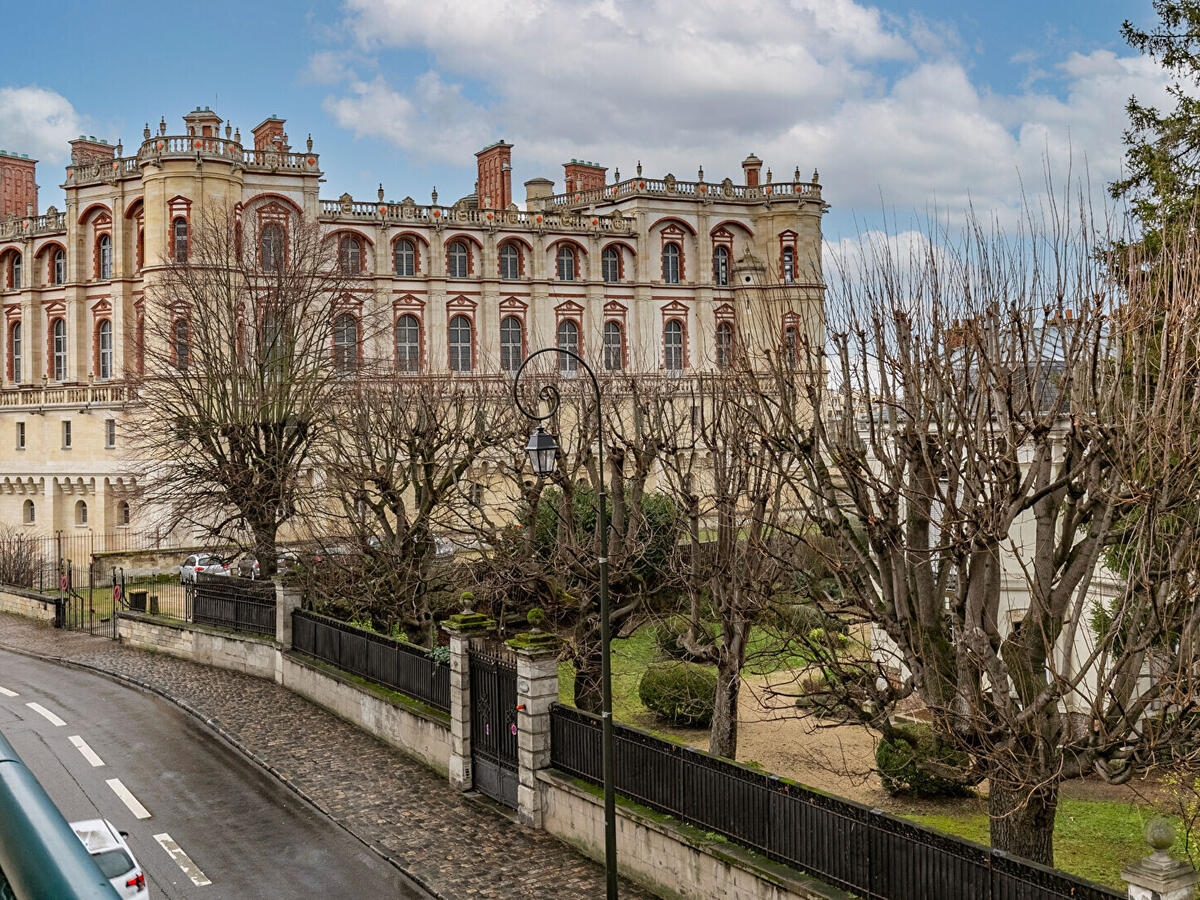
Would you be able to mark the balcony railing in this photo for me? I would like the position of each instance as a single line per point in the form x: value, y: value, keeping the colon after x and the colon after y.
x: 538, y: 220
x: 187, y: 146
x: 724, y: 191
x: 66, y: 395
x: 30, y: 226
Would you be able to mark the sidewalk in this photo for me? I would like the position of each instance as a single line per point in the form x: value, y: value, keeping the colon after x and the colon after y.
x: 454, y: 847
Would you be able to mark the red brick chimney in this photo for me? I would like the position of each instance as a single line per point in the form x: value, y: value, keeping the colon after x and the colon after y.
x: 269, y: 135
x: 583, y: 176
x: 751, y: 166
x: 18, y: 189
x: 494, y: 184
x: 90, y: 149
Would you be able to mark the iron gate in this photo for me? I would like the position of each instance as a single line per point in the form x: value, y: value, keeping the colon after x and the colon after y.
x: 494, y: 723
x: 89, y: 599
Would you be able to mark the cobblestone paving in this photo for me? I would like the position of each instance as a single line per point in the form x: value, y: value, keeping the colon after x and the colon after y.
x: 454, y: 847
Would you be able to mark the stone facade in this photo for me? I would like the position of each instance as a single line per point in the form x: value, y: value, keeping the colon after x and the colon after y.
x: 667, y: 268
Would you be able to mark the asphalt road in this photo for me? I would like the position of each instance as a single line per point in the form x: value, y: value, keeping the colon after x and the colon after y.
x: 240, y: 828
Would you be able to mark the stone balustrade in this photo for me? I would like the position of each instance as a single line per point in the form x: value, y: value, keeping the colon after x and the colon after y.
x: 32, y: 226
x: 724, y: 191
x: 538, y: 220
x: 66, y: 395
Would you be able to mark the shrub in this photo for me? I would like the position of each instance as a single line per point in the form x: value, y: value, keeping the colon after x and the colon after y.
x: 669, y: 632
x: 915, y: 760
x: 680, y: 693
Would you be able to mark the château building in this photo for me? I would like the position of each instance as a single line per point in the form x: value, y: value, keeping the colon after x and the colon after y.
x: 639, y: 274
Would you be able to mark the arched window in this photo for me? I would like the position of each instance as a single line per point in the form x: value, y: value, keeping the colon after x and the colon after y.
x: 123, y: 512
x: 789, y: 265
x: 181, y: 345
x: 405, y: 258
x: 104, y: 349
x: 565, y: 263
x: 15, y: 350
x: 610, y: 264
x: 179, y: 240
x: 511, y: 344
x: 271, y: 243
x: 141, y: 248
x: 408, y: 344
x: 670, y: 263
x: 457, y: 260
x: 16, y: 271
x: 510, y: 261
x: 104, y: 248
x: 614, y: 347
x: 58, y: 270
x: 673, y: 346
x: 568, y: 339
x: 350, y: 255
x: 59, y: 335
x: 345, y: 343
x: 724, y: 345
x: 29, y: 515
x: 460, y: 344
x: 80, y: 512
x: 720, y: 265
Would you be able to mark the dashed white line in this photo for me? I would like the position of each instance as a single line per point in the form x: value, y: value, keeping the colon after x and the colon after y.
x: 128, y: 799
x: 49, y: 716
x: 190, y: 869
x: 88, y: 753
x: 7, y: 693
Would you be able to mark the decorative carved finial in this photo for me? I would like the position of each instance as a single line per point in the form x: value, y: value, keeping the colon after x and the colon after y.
x: 434, y: 194
x: 308, y: 144
x: 639, y: 168
x: 768, y: 176
x: 700, y: 174
x: 162, y: 125
x: 120, y: 149
x: 616, y: 175
x: 816, y: 177
x: 380, y: 192
x: 228, y: 131
x: 237, y: 135
x: 146, y: 132
x: 796, y: 174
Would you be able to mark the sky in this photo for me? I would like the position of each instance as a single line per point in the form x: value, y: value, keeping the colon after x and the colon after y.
x: 903, y: 107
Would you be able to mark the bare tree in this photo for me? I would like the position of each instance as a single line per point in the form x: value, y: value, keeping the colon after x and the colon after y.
x: 238, y: 379
x: 1003, y: 409
x: 407, y: 468
x: 20, y: 557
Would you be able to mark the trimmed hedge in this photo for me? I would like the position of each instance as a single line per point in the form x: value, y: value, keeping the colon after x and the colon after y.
x: 903, y: 763
x: 680, y: 693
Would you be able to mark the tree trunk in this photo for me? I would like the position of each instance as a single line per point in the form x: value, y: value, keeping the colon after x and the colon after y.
x: 264, y: 551
x: 1022, y: 820
x: 722, y: 738
x: 589, y: 694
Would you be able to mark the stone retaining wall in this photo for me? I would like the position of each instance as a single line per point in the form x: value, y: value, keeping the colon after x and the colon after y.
x: 671, y: 859
x: 26, y: 603
x: 199, y: 643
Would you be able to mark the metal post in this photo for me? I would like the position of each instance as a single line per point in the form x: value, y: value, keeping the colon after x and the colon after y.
x: 608, y: 755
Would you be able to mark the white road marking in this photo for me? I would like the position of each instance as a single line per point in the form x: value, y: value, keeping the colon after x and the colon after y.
x: 190, y: 869
x: 49, y: 716
x: 88, y: 753
x: 127, y: 798
x: 7, y: 693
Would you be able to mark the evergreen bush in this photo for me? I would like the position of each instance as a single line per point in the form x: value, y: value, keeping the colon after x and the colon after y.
x: 680, y: 693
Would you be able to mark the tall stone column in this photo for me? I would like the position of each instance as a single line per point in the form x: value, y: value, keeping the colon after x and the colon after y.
x: 461, y: 628
x: 537, y: 689
x: 288, y: 599
x: 1159, y: 876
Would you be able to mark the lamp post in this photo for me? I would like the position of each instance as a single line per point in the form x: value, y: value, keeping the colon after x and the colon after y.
x: 543, y: 453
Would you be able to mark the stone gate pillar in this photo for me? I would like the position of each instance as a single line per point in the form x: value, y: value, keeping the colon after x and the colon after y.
x: 288, y: 599
x: 537, y: 689
x: 460, y: 628
x: 1159, y: 876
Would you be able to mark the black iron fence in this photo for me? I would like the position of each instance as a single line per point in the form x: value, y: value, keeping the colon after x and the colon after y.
x: 238, y: 603
x: 384, y: 660
x: 861, y: 850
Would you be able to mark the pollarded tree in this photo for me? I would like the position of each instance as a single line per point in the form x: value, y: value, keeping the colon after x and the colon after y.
x: 1001, y: 404
x: 239, y: 380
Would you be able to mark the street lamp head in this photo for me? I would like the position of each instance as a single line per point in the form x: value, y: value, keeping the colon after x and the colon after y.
x: 543, y: 451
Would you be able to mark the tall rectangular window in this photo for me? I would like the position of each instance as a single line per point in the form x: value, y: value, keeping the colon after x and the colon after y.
x: 66, y: 426
x: 110, y: 433
x: 20, y: 435
x: 16, y: 352
x: 60, y: 350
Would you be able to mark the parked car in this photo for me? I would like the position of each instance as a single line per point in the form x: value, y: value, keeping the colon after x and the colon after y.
x: 113, y: 856
x: 248, y: 565
x: 201, y: 562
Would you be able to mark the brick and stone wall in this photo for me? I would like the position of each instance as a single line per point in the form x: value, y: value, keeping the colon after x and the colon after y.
x: 26, y: 603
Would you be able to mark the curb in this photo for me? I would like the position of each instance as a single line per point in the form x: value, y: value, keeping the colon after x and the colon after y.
x: 216, y: 728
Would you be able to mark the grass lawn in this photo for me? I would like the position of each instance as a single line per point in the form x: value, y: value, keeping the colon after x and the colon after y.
x: 1094, y: 839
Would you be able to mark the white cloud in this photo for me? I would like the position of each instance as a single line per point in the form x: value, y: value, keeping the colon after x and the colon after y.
x: 885, y: 108
x: 37, y: 121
